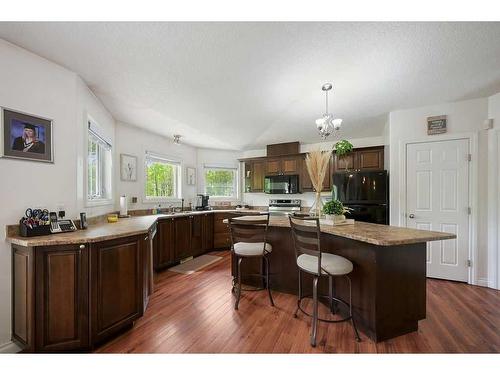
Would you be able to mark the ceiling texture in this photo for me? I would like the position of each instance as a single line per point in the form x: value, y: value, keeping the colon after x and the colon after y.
x: 244, y: 85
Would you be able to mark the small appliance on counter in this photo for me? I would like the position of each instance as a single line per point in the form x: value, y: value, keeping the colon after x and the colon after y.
x: 283, y: 207
x: 202, y: 203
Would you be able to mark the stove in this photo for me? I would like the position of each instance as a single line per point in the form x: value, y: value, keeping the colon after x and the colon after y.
x: 282, y: 207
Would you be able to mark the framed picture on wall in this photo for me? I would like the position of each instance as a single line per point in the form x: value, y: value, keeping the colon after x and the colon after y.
x: 128, y: 167
x: 191, y: 176
x: 25, y: 136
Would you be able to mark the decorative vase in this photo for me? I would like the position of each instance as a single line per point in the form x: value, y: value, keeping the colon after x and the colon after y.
x: 317, y: 205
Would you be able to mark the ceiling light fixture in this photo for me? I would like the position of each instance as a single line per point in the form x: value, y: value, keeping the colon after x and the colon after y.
x: 327, y: 124
x: 177, y: 139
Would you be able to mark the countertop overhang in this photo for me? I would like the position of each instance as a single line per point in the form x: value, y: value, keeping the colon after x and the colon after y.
x: 131, y: 226
x: 376, y: 234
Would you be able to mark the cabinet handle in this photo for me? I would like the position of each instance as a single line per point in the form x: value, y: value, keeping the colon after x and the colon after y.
x: 82, y: 247
x: 146, y: 238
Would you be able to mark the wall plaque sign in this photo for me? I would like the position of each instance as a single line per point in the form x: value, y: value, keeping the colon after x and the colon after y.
x: 436, y: 125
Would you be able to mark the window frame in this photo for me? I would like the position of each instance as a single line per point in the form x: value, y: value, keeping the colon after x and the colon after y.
x: 178, y: 183
x: 236, y: 181
x: 106, y: 161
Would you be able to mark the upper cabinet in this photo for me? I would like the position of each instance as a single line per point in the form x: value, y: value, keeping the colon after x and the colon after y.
x: 361, y: 159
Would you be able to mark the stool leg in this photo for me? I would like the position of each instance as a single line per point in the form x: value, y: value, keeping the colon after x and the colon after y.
x: 300, y: 294
x: 350, y: 310
x: 267, y: 281
x: 330, y: 291
x: 314, y: 327
x: 238, y: 294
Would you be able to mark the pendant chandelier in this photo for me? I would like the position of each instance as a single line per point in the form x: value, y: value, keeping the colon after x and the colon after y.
x: 327, y: 124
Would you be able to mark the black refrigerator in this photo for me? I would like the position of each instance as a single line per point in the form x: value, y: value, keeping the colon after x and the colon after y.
x: 366, y: 193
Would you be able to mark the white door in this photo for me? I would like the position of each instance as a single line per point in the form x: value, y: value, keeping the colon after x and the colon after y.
x: 437, y: 198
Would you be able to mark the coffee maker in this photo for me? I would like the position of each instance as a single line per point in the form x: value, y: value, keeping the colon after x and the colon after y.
x: 202, y: 203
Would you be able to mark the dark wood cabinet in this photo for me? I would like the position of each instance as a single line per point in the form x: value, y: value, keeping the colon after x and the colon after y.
x: 305, y: 180
x: 285, y: 165
x: 257, y: 178
x: 149, y: 244
x: 361, y: 159
x: 196, y: 235
x: 62, y: 291
x: 207, y: 230
x: 116, y: 285
x: 165, y: 244
x: 182, y: 237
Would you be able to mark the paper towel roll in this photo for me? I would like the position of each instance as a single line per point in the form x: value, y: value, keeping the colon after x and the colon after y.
x: 123, y: 205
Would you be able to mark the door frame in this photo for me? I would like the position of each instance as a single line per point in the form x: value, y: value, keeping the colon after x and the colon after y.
x: 493, y: 208
x: 472, y: 138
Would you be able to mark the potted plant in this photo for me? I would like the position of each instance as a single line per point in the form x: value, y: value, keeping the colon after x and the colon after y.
x: 343, y: 148
x: 335, y: 210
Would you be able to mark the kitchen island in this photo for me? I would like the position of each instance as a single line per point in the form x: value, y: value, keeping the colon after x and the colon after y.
x: 388, y: 280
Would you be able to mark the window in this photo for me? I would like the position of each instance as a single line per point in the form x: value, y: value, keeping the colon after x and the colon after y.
x: 99, y: 164
x: 162, y: 177
x: 221, y: 181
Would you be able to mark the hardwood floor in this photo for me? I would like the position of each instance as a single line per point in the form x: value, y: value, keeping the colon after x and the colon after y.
x: 194, y: 314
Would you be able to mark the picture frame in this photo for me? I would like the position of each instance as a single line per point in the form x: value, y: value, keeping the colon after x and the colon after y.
x: 25, y: 136
x: 128, y: 167
x: 191, y: 176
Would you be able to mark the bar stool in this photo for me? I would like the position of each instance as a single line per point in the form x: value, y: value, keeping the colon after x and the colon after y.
x: 249, y: 240
x: 306, y: 236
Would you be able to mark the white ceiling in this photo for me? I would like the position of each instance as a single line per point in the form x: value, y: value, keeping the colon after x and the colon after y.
x: 245, y: 85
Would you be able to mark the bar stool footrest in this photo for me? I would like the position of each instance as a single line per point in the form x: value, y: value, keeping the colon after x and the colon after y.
x: 325, y: 320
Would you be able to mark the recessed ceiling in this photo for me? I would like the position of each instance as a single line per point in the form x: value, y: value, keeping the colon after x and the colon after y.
x: 245, y: 85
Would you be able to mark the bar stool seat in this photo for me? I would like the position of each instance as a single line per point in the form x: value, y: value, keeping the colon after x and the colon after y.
x: 251, y: 249
x: 331, y: 264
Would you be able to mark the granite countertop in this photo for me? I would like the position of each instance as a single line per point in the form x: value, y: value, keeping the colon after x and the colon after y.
x: 377, y: 234
x: 104, y: 231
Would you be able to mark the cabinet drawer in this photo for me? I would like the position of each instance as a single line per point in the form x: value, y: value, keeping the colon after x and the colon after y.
x: 222, y: 241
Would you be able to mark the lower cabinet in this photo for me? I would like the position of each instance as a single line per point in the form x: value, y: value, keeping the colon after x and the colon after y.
x: 72, y: 297
x: 165, y: 244
x: 182, y: 237
x: 62, y: 298
x: 116, y: 285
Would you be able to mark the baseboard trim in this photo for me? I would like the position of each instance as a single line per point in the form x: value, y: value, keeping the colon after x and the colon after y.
x: 10, y: 347
x: 483, y: 282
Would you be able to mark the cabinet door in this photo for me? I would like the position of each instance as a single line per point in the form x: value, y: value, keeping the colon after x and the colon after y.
x: 196, y: 235
x: 273, y: 167
x: 208, y: 232
x: 222, y: 238
x: 290, y: 165
x: 116, y: 285
x: 327, y: 182
x: 62, y: 321
x: 304, y: 179
x: 371, y: 159
x: 349, y: 162
x: 182, y: 232
x: 164, y: 252
x: 258, y: 176
x: 248, y: 176
x: 147, y: 280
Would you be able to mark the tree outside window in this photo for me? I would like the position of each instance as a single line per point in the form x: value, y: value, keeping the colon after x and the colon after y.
x: 220, y: 182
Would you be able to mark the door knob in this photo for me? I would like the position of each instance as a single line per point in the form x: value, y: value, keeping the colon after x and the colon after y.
x: 411, y: 216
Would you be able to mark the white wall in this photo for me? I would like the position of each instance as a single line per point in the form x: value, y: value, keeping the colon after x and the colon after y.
x: 37, y: 86
x: 134, y: 141
x: 462, y: 117
x: 262, y: 199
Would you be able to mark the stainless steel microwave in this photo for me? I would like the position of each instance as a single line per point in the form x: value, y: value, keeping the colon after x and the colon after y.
x: 281, y: 184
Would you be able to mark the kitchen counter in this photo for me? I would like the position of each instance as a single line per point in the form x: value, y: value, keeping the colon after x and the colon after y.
x: 376, y: 234
x: 131, y: 226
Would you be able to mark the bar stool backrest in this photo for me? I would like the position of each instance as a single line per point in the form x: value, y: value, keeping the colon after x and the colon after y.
x: 252, y: 229
x: 306, y: 236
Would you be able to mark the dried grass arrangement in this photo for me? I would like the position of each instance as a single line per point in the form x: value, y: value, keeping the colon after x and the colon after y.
x: 317, y: 167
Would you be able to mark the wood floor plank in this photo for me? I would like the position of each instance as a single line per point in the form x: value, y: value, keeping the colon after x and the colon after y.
x: 195, y: 314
